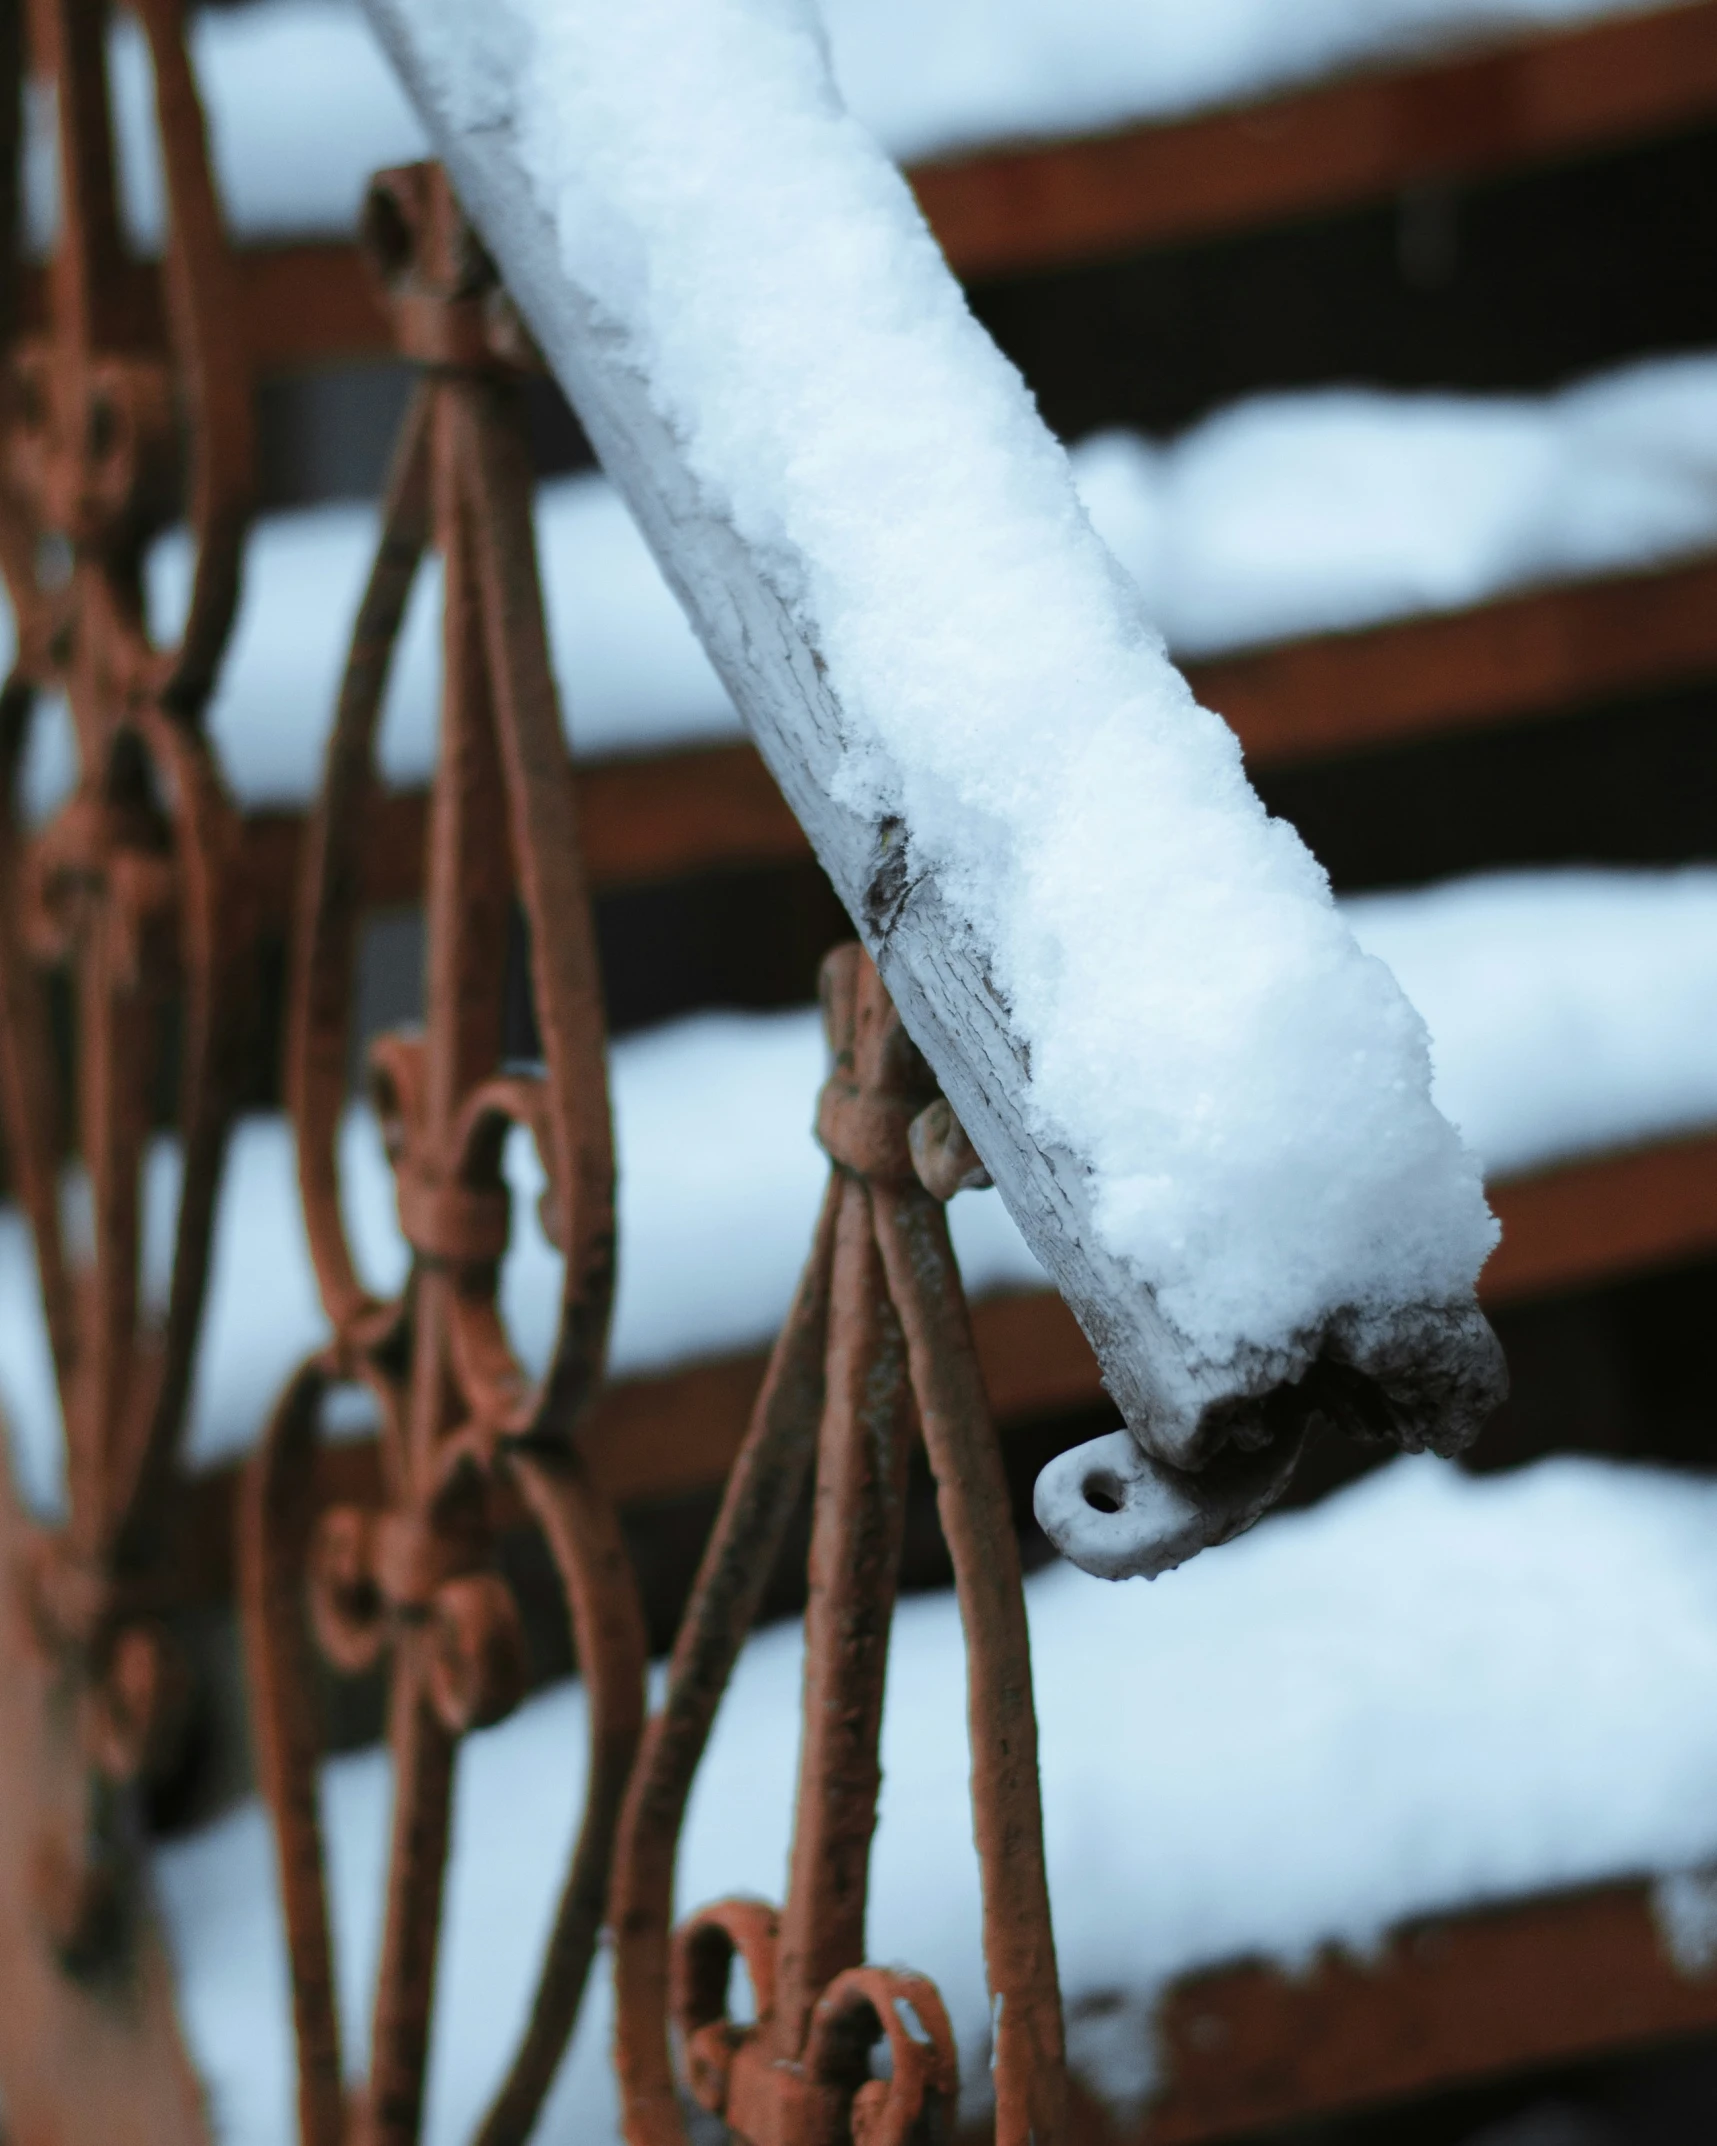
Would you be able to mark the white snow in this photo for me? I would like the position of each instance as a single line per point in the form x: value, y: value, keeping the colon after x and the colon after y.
x: 1086, y: 840
x: 1569, y: 1011
x: 935, y: 77
x: 1293, y: 514
x: 1429, y: 1692
x: 1572, y: 1013
x: 1285, y: 515
x: 302, y: 106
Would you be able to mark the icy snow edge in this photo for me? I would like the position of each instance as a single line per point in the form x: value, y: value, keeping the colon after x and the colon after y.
x: 1208, y: 1110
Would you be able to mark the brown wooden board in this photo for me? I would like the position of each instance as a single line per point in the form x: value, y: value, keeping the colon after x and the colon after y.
x: 1589, y: 1222
x: 713, y: 807
x: 1532, y: 656
x: 1372, y: 134
x: 709, y: 808
x: 1445, y: 2001
x: 1007, y: 210
x: 659, y: 1437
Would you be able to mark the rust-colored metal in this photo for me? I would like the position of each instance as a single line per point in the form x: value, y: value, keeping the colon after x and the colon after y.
x: 130, y: 893
x: 879, y: 1343
x: 464, y: 1431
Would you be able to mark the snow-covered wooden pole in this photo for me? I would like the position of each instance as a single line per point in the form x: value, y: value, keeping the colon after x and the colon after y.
x: 1207, y: 1110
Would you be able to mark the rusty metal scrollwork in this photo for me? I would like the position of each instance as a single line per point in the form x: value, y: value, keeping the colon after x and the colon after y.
x: 462, y: 1427
x: 878, y: 1343
x: 117, y: 423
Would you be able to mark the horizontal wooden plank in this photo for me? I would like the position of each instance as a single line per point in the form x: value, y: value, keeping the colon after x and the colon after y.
x: 709, y: 808
x: 1574, y: 1227
x: 1366, y: 136
x: 1534, y: 655
x: 650, y: 1438
x: 312, y: 304
x: 677, y: 1432
x: 1446, y: 2001
x: 1526, y: 657
x: 1585, y: 1223
x: 305, y: 305
x: 1035, y: 206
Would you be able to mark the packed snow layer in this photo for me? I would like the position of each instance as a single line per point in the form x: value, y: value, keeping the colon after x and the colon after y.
x: 1052, y: 850
x: 1571, y: 1012
x: 934, y: 77
x: 1312, y: 512
x: 303, y: 107
x: 1282, y: 516
x: 1427, y: 1693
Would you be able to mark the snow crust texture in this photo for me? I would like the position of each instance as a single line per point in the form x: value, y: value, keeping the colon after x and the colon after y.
x: 1429, y: 1692
x: 1234, y: 1101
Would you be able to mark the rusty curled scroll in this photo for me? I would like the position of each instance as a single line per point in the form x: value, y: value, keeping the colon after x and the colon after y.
x: 878, y: 1345
x: 461, y: 1425
x: 117, y: 422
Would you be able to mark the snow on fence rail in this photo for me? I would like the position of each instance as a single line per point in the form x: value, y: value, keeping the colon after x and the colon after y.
x: 1207, y: 1110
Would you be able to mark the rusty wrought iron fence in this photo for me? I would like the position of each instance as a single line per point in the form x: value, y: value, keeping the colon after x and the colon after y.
x: 126, y: 930
x: 122, y: 930
x: 130, y: 923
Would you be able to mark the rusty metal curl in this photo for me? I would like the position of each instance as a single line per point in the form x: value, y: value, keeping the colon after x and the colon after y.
x: 417, y: 1584
x: 878, y: 1347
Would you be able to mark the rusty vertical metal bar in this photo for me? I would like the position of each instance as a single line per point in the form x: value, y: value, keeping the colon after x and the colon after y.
x: 977, y: 1523
x: 418, y: 1578
x: 468, y: 889
x: 422, y: 1748
x: 276, y: 1531
x: 863, y: 1449
x: 896, y: 1343
x: 68, y: 46
x: 763, y: 1486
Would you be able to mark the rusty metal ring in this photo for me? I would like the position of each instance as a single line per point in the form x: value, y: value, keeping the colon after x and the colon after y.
x: 863, y: 2006
x: 700, y: 1974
